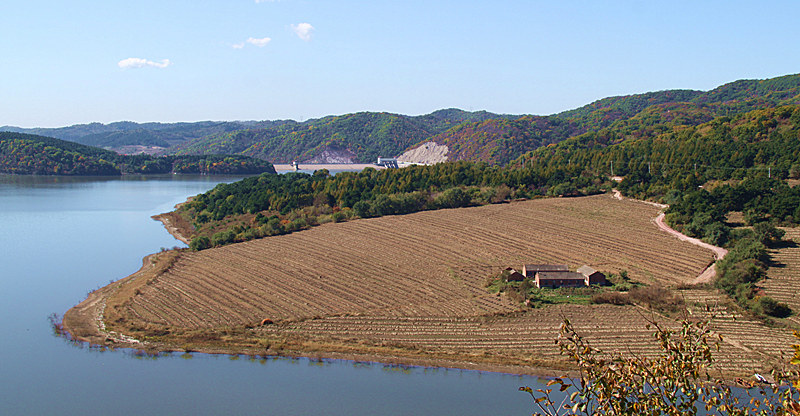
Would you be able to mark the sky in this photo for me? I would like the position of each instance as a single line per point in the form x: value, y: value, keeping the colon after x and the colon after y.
x: 71, y: 62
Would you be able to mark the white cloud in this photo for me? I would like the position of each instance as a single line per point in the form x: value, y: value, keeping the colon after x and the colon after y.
x: 303, y: 30
x: 141, y: 63
x: 258, y: 42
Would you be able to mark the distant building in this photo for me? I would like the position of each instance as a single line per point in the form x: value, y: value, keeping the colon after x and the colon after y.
x: 530, y: 270
x: 558, y: 275
x: 388, y: 162
x: 559, y: 279
x: 593, y: 277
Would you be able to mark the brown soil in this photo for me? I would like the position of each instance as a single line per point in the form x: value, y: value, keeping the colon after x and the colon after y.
x: 405, y: 289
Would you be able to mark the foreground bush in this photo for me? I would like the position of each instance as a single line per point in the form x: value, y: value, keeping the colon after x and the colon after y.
x: 678, y: 382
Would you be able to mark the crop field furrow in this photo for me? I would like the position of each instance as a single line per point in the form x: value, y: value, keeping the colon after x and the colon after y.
x: 287, y: 297
x: 204, y: 281
x: 783, y: 278
x: 274, y: 303
x: 173, y: 293
x: 156, y: 307
x: 383, y: 285
x: 418, y: 280
x: 203, y: 307
x: 378, y: 272
x: 407, y: 239
x: 306, y: 294
x: 141, y: 309
x: 155, y: 313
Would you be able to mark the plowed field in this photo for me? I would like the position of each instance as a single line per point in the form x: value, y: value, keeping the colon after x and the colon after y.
x: 414, y: 284
x: 783, y: 277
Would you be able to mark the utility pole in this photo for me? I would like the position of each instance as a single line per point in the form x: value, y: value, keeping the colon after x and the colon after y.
x: 612, y: 168
x: 648, y: 168
x: 695, y: 168
x: 769, y: 171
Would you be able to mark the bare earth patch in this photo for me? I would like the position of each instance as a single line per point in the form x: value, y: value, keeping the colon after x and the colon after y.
x: 411, y: 288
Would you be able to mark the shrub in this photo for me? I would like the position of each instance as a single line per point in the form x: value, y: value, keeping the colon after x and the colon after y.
x: 613, y: 298
x: 676, y: 382
x: 771, y: 307
x: 200, y: 243
x: 657, y: 298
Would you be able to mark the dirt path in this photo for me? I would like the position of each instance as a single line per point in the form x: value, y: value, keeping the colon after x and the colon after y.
x: 711, y: 271
x: 719, y: 252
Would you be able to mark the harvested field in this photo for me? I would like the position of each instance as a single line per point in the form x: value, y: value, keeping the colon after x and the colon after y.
x: 747, y: 342
x: 783, y: 277
x: 413, y: 286
x: 426, y: 264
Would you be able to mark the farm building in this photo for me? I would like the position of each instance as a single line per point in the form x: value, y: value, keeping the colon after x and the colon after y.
x: 559, y: 279
x: 530, y: 270
x: 559, y: 275
x: 513, y: 275
x: 593, y: 277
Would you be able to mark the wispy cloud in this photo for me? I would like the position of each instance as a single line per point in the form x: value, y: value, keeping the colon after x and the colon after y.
x: 131, y: 63
x: 260, y: 42
x: 303, y: 30
x: 266, y: 1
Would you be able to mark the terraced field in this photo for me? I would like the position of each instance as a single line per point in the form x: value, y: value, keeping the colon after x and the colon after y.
x: 426, y: 264
x: 415, y: 284
x: 747, y: 343
x: 783, y: 278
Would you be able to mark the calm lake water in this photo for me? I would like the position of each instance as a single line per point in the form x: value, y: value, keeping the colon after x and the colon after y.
x: 62, y: 237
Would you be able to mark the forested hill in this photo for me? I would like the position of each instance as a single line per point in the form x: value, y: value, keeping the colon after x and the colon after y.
x: 27, y: 154
x: 359, y: 137
x: 127, y: 133
x: 500, y: 141
x: 491, y: 138
x: 658, y: 156
x: 475, y: 136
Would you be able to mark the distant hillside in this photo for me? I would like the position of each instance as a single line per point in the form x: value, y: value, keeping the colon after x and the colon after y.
x: 761, y: 142
x: 457, y: 134
x: 127, y: 133
x: 615, y: 119
x: 359, y: 137
x: 26, y: 154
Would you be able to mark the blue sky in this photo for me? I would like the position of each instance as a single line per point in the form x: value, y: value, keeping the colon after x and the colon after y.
x: 68, y: 62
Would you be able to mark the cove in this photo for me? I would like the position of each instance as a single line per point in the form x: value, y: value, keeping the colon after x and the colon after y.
x: 65, y: 236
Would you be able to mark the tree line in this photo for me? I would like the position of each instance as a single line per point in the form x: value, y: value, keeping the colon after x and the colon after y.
x: 25, y: 154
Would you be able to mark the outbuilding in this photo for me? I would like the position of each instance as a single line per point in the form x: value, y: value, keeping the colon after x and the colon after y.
x: 592, y: 276
x: 559, y: 279
x: 530, y: 270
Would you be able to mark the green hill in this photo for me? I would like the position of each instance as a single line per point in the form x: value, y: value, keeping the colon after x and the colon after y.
x: 359, y: 137
x: 127, y: 133
x: 615, y: 119
x: 675, y: 156
x: 26, y: 154
x: 476, y: 136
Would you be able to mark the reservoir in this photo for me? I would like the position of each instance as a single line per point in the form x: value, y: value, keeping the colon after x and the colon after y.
x: 63, y: 237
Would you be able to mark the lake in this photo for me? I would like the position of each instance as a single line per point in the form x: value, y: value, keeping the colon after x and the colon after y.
x: 63, y: 237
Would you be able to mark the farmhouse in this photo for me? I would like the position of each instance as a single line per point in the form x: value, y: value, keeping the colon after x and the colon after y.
x: 513, y: 275
x: 593, y: 277
x: 559, y: 279
x: 559, y: 275
x: 530, y: 270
